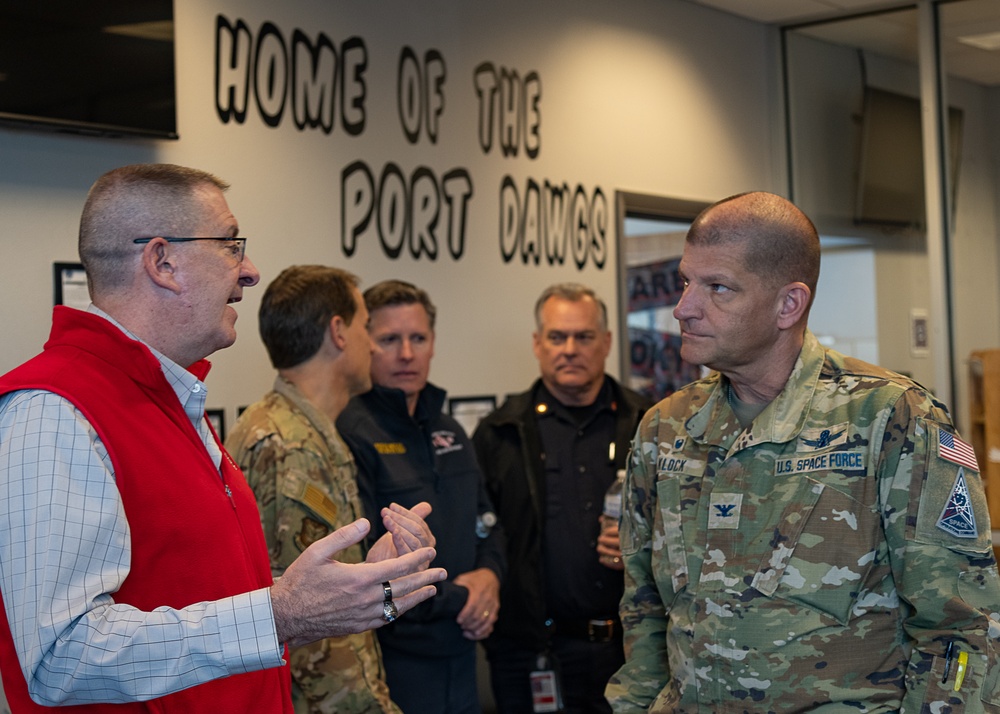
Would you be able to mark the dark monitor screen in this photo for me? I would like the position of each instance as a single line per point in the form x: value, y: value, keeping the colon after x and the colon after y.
x: 104, y: 68
x: 891, y: 167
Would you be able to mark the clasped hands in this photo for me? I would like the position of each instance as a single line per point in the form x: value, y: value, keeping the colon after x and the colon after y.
x: 318, y: 596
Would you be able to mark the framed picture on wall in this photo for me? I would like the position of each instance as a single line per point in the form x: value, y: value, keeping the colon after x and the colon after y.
x: 469, y: 411
x: 217, y: 418
x: 69, y: 283
x: 919, y: 333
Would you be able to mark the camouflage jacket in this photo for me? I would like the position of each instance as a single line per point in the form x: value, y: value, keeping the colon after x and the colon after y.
x: 820, y: 560
x: 305, y: 482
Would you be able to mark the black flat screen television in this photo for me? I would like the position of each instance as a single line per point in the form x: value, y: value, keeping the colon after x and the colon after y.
x: 891, y: 166
x: 104, y: 68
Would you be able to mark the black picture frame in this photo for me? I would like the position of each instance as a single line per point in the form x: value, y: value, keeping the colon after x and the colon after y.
x: 217, y: 418
x: 469, y: 411
x: 69, y: 285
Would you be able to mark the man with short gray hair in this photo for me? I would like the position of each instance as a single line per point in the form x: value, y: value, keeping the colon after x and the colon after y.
x: 134, y: 567
x: 549, y: 455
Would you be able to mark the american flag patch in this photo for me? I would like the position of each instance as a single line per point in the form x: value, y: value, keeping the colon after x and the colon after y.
x: 951, y: 448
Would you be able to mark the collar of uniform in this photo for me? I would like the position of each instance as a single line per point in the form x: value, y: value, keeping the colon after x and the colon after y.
x: 781, y: 420
x: 430, y: 402
x: 713, y: 423
x: 786, y: 416
x: 548, y: 405
x: 320, y: 421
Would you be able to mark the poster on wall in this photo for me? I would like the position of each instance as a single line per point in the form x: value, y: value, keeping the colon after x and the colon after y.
x: 656, y: 368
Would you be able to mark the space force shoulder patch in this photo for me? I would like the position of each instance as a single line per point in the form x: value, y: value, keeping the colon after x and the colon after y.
x: 958, y: 516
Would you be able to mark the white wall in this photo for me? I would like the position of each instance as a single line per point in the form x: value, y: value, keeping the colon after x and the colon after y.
x: 826, y: 130
x: 641, y: 95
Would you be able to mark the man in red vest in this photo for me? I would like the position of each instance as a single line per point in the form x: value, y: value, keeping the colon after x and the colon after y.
x: 133, y: 569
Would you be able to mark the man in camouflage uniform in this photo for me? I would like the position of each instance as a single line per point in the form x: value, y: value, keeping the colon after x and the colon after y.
x: 313, y: 322
x: 802, y: 531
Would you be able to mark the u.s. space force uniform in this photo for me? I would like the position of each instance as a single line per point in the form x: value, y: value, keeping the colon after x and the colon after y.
x: 834, y: 556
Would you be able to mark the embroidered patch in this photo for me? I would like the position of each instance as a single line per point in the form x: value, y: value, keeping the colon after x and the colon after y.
x: 951, y: 448
x: 679, y: 443
x: 830, y: 461
x: 670, y: 464
x: 824, y: 437
x: 444, y: 442
x: 958, y: 517
x: 384, y: 447
x: 724, y: 511
x: 317, y: 500
x: 311, y: 532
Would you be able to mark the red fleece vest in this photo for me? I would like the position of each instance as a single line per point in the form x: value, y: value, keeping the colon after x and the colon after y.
x: 195, y: 536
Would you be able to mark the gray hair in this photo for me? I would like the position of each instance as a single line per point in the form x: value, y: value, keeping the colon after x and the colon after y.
x: 572, y: 292
x: 137, y: 201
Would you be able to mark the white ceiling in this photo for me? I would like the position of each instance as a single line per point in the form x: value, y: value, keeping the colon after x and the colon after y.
x: 786, y: 11
x: 893, y: 34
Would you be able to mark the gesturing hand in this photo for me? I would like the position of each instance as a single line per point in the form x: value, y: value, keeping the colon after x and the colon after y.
x: 320, y: 597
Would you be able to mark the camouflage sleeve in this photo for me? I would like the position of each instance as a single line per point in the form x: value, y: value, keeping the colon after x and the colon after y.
x: 938, y: 531
x: 341, y: 675
x: 252, y: 450
x: 294, y: 487
x: 298, y: 498
x: 646, y: 671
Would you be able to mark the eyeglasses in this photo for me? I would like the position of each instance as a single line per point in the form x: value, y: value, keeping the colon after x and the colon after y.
x: 237, y: 249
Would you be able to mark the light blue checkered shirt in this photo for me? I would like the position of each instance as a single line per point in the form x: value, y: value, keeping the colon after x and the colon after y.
x: 65, y: 547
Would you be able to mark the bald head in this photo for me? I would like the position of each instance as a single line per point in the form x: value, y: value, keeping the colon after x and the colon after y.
x: 778, y: 241
x: 139, y: 201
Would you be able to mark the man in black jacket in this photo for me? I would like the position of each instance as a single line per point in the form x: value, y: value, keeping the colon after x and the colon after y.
x: 549, y: 455
x: 408, y: 451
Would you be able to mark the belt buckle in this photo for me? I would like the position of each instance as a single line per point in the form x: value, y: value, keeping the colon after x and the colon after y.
x: 600, y: 630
